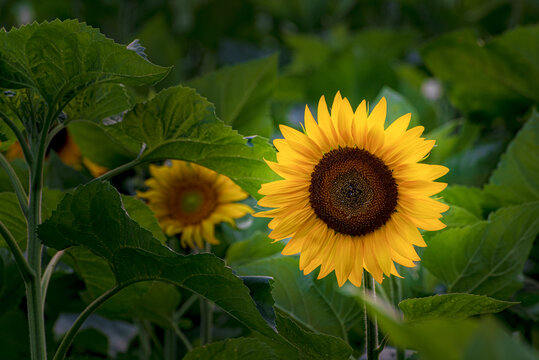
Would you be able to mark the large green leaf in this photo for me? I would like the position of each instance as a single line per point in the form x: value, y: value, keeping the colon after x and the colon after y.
x: 316, y: 304
x: 454, y: 339
x: 93, y: 218
x: 233, y: 349
x: 516, y: 179
x: 242, y: 94
x: 180, y: 124
x: 257, y: 246
x: 153, y: 301
x: 62, y: 58
x: 454, y: 306
x: 498, y: 77
x: 487, y: 257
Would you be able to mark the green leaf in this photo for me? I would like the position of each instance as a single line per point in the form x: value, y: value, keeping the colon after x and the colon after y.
x: 256, y: 247
x: 455, y: 339
x: 316, y: 304
x: 498, y: 77
x: 93, y: 217
x: 242, y: 94
x: 98, y: 103
x: 180, y: 124
x: 516, y: 179
x: 110, y: 153
x: 11, y: 283
x: 468, y: 198
x: 144, y: 216
x: 457, y: 216
x: 152, y: 301
x: 484, y: 258
x: 453, y: 306
x: 62, y: 58
x: 307, y: 344
x: 13, y: 218
x: 233, y: 349
x: 397, y: 105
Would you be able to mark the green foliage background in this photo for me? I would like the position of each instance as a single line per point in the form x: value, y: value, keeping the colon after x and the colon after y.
x: 227, y: 73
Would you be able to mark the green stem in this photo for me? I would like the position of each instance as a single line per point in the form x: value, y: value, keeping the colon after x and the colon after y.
x: 118, y: 170
x: 48, y: 273
x: 170, y: 345
x: 20, y: 137
x: 35, y: 305
x: 181, y: 336
x: 371, y: 328
x: 185, y: 306
x: 25, y: 269
x: 72, y: 332
x: 206, y: 319
x: 16, y: 183
x: 206, y: 314
x: 155, y: 341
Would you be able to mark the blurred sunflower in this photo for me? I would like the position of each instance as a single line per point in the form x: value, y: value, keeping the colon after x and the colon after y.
x: 68, y: 151
x: 353, y: 194
x: 190, y: 199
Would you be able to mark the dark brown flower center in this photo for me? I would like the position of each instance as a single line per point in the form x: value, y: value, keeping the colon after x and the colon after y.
x: 191, y: 202
x: 352, y: 191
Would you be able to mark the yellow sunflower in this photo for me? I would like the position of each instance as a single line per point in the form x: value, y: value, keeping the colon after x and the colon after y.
x: 353, y: 194
x: 190, y: 199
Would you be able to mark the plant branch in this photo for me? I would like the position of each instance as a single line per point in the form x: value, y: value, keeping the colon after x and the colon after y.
x: 19, y: 136
x: 25, y: 269
x: 72, y: 332
x: 16, y: 183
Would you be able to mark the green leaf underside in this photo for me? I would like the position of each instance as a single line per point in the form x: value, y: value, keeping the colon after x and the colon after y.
x: 59, y: 59
x: 241, y: 94
x: 317, y: 304
x: 454, y: 306
x: 454, y: 339
x: 180, y: 124
x: 485, y: 257
x: 516, y: 179
x: 498, y: 77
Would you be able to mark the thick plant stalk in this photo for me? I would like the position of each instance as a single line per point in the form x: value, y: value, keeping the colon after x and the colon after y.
x: 371, y: 328
x: 36, y: 321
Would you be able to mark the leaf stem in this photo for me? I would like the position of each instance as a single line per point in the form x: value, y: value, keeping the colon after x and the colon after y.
x: 25, y: 269
x: 185, y: 306
x: 19, y: 136
x: 206, y: 320
x: 45, y: 279
x: 181, y: 336
x: 72, y: 332
x: 16, y: 183
x: 371, y: 328
x: 120, y: 169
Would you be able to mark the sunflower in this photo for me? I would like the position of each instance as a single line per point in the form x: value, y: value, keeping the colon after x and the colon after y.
x: 190, y: 199
x: 353, y: 194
